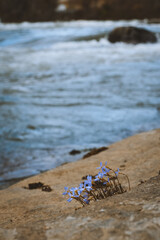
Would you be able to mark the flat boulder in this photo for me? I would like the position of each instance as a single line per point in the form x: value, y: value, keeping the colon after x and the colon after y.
x: 131, y: 35
x: 27, y: 212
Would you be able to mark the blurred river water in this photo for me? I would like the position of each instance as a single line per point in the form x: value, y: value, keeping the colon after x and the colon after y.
x: 63, y: 86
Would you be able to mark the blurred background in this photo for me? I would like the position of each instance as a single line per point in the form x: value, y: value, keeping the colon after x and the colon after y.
x: 64, y: 86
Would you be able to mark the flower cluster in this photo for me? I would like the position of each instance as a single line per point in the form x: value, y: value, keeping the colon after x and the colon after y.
x: 102, y: 185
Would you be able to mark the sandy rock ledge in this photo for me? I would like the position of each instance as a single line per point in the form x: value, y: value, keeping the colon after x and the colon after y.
x: 34, y: 214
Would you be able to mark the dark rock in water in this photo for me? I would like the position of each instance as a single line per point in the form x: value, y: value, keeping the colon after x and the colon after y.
x: 91, y: 152
x: 74, y: 152
x: 95, y: 151
x: 31, y: 127
x: 131, y: 35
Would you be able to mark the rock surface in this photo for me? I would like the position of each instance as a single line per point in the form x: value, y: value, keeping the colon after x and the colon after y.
x: 131, y: 35
x: 34, y: 214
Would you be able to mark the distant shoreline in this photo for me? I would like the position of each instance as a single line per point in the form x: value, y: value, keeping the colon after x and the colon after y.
x: 68, y: 19
x: 148, y: 20
x: 44, y: 11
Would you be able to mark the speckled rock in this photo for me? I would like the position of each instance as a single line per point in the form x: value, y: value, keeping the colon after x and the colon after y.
x: 34, y: 214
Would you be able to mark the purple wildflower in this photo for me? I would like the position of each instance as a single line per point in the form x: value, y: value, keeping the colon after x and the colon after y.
x: 88, y: 183
x: 100, y: 166
x: 99, y: 176
x: 81, y: 188
x: 71, y: 197
x: 73, y: 193
x: 116, y: 172
x: 66, y: 191
x: 104, y: 168
x: 86, y: 201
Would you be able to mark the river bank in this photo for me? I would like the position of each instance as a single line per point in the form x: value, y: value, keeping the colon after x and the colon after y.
x: 30, y: 213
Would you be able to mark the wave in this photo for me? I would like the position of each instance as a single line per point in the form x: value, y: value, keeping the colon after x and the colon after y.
x: 75, y: 24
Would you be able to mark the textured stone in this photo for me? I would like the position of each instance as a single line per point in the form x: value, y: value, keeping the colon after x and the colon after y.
x: 131, y: 35
x: 34, y: 214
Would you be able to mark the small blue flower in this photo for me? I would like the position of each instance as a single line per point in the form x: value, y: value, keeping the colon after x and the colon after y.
x: 85, y: 195
x: 85, y: 198
x: 80, y: 185
x: 88, y: 183
x: 86, y: 201
x: 85, y: 192
x: 81, y: 188
x: 104, y: 169
x: 89, y: 187
x: 99, y: 176
x: 116, y: 172
x: 89, y: 178
x: 71, y: 197
x: 74, y: 191
x: 106, y: 182
x: 66, y: 191
x: 100, y: 166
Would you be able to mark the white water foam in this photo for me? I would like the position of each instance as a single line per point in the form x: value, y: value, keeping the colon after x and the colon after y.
x: 60, y: 91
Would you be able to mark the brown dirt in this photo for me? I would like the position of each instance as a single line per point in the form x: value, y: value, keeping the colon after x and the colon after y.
x: 133, y: 215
